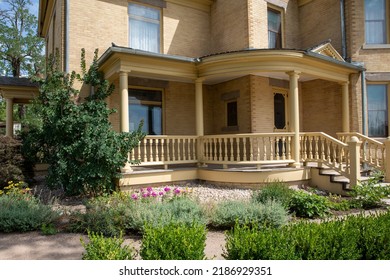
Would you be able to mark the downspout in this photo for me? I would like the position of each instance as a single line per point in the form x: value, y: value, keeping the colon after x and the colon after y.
x: 364, y: 103
x: 343, y: 32
x: 66, y: 37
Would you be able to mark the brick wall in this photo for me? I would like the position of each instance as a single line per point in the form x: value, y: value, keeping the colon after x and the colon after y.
x: 229, y: 25
x: 320, y: 20
x: 322, y: 107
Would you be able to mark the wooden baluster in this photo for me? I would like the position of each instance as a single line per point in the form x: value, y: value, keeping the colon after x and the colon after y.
x: 231, y: 149
x: 283, y: 139
x: 265, y: 140
x: 145, y: 153
x: 250, y: 148
x: 288, y: 148
x: 328, y: 152
x: 323, y: 149
x: 310, y: 147
x: 271, y: 149
x: 162, y: 150
x: 277, y: 148
x: 244, y: 156
x: 219, y: 149
x: 169, y: 158
x: 317, y: 156
x: 173, y: 149
x: 157, y: 141
x: 179, y: 149
x: 225, y: 149
x: 258, y: 148
x: 151, y: 157
x: 194, y: 153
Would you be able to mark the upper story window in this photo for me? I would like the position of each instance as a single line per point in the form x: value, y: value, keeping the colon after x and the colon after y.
x: 144, y: 27
x: 376, y: 23
x: 274, y: 29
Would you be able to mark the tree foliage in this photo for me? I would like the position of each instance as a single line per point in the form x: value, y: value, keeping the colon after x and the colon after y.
x: 77, y: 139
x: 20, y: 47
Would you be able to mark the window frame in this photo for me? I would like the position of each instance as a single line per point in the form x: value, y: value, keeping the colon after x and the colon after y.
x: 151, y: 103
x: 387, y: 26
x: 228, y: 123
x: 284, y: 92
x: 281, y: 12
x: 387, y: 102
x: 160, y: 41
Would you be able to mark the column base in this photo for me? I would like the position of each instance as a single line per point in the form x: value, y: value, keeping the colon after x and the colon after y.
x: 295, y: 165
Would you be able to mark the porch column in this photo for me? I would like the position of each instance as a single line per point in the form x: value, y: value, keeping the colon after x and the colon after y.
x: 199, y: 106
x: 294, y: 116
x: 124, y: 110
x: 9, y: 125
x: 124, y: 102
x: 345, y: 106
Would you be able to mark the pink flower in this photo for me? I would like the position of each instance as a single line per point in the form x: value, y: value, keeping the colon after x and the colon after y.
x: 176, y: 191
x: 161, y: 193
x: 167, y: 189
x: 149, y: 189
x: 141, y: 190
x: 154, y: 194
x: 145, y: 194
x: 134, y: 196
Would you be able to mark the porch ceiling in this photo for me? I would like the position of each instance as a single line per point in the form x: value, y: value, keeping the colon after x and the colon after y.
x: 226, y: 66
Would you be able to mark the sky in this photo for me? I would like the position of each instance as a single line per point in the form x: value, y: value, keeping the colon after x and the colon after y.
x: 33, y: 9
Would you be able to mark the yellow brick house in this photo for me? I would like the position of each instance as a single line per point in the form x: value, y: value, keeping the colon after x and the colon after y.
x: 237, y: 91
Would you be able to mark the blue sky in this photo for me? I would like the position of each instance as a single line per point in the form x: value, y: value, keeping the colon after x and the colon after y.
x: 33, y: 8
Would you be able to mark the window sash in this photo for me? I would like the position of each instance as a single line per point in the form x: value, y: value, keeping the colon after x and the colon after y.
x: 375, y: 21
x: 274, y: 29
x: 144, y: 28
x: 377, y: 110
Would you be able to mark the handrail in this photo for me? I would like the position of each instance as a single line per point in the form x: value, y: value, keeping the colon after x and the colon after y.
x: 372, y: 152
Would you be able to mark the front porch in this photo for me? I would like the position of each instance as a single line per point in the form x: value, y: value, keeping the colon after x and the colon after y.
x: 250, y: 160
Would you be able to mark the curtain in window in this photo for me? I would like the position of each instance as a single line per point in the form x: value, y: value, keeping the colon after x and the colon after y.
x: 144, y: 28
x: 377, y: 110
x: 274, y: 29
x: 375, y: 21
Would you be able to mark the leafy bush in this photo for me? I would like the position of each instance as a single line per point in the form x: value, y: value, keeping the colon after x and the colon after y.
x: 173, y: 241
x: 23, y: 212
x: 76, y: 139
x: 182, y: 210
x: 368, y: 194
x: 277, y: 191
x: 352, y: 238
x: 308, y: 205
x: 227, y: 213
x: 106, y: 248
x: 11, y: 161
x: 105, y: 215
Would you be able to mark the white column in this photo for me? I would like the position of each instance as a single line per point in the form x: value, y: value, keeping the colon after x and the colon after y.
x: 345, y: 106
x: 199, y: 107
x: 124, y: 110
x: 9, y: 125
x: 294, y: 116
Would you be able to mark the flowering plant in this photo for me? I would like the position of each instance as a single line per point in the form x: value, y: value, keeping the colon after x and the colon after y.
x: 158, y: 194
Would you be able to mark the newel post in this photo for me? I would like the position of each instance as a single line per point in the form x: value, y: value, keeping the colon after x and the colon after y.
x: 387, y: 160
x: 354, y: 153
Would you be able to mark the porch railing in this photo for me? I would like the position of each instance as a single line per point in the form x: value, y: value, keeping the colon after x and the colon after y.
x: 325, y: 150
x: 164, y: 150
x: 372, y: 152
x: 255, y: 148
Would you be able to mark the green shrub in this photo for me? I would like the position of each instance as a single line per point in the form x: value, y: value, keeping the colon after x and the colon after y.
x: 173, y: 241
x: 23, y: 212
x: 48, y: 229
x: 105, y: 215
x: 277, y: 191
x: 336, y: 202
x: 308, y: 205
x: 227, y: 213
x: 368, y: 194
x: 351, y: 238
x: 105, y: 248
x: 11, y: 161
x: 179, y: 210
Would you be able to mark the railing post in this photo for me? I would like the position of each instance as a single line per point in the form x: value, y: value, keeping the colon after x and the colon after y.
x: 387, y: 160
x: 354, y: 153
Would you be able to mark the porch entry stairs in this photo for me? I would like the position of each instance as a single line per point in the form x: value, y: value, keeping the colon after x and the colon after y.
x: 340, y: 160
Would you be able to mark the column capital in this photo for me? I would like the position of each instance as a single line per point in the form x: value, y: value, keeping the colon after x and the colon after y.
x: 124, y: 73
x: 345, y: 83
x: 293, y: 73
x: 200, y: 80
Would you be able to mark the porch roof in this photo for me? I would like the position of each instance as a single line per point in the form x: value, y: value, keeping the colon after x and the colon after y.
x: 21, y: 90
x: 219, y: 67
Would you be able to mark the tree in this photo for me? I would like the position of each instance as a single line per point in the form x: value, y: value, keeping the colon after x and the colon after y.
x: 20, y: 47
x: 76, y: 139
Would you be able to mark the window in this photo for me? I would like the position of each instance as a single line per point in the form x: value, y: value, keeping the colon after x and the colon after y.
x: 279, y: 111
x: 232, y: 119
x: 274, y: 29
x: 146, y: 105
x: 375, y: 21
x: 144, y: 28
x: 377, y: 110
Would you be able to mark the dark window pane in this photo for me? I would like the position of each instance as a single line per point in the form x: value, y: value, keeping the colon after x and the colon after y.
x: 274, y: 29
x: 279, y: 111
x: 377, y: 110
x: 232, y: 114
x: 375, y: 21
